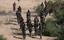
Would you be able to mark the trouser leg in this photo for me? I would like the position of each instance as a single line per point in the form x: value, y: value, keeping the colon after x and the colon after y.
x: 24, y: 34
x: 36, y: 30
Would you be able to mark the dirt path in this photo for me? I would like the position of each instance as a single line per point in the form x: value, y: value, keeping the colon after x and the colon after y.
x: 11, y: 30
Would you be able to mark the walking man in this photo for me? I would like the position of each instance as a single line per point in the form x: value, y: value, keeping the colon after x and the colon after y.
x: 28, y: 14
x: 18, y: 14
x: 40, y: 30
x: 19, y: 9
x: 42, y: 21
x: 36, y: 20
x: 23, y: 28
x: 14, y: 6
x: 30, y: 27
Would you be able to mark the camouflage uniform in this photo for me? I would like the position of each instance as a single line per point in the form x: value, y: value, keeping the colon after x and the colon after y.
x: 19, y: 9
x: 18, y: 16
x: 28, y: 20
x: 42, y: 21
x: 23, y: 28
x: 36, y: 20
x: 30, y: 27
x: 41, y: 14
x: 40, y: 30
x: 28, y: 14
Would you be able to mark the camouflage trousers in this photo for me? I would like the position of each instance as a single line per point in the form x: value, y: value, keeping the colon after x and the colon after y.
x: 24, y: 34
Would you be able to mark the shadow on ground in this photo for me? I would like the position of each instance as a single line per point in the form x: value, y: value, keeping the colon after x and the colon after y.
x: 17, y: 37
x: 3, y: 13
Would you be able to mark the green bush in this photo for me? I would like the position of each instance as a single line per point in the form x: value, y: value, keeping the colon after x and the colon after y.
x: 2, y: 38
x: 61, y: 33
x: 51, y: 27
x: 59, y: 16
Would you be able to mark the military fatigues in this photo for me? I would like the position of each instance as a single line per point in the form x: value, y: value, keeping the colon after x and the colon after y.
x: 40, y: 30
x: 19, y: 9
x: 36, y: 20
x: 28, y: 20
x: 29, y: 24
x: 41, y: 14
x: 43, y: 27
x: 28, y: 14
x: 45, y: 11
x: 18, y: 16
x: 30, y: 27
x: 23, y: 28
x: 42, y: 21
x: 14, y: 6
x: 28, y: 17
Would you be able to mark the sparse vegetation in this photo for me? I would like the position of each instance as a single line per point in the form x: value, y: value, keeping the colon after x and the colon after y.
x: 39, y: 8
x: 54, y: 27
x: 2, y: 38
x: 51, y: 27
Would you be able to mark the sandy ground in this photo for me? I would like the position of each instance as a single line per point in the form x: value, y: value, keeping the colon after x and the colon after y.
x: 8, y: 25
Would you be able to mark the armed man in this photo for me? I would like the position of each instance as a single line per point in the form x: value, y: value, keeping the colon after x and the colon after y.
x: 14, y: 6
x: 23, y: 29
x: 36, y: 20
